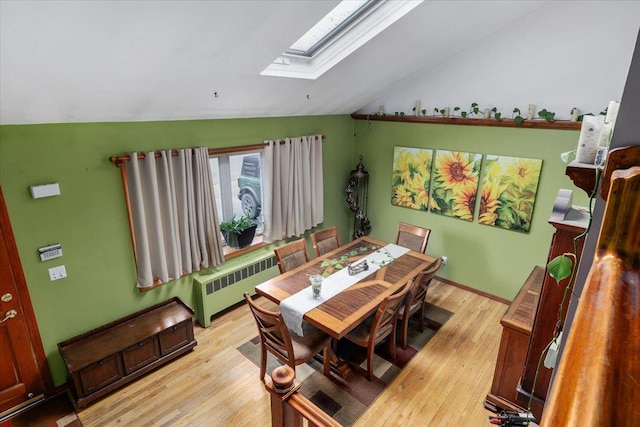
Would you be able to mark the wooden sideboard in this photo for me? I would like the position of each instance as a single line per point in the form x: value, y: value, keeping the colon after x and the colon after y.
x: 106, y: 358
x: 516, y: 330
x: 568, y: 225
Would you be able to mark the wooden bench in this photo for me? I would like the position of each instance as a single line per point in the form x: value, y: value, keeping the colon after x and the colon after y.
x: 109, y: 357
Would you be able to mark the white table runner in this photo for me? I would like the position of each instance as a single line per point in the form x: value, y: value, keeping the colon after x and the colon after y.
x: 294, y: 307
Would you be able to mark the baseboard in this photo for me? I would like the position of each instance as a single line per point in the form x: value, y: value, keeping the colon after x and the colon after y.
x: 474, y: 290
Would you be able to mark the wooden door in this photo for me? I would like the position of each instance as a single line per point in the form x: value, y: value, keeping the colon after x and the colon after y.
x: 24, y: 373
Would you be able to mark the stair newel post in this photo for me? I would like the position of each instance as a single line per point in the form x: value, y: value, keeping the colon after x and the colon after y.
x: 281, y: 387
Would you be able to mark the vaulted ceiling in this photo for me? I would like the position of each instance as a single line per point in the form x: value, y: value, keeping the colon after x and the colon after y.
x: 87, y: 61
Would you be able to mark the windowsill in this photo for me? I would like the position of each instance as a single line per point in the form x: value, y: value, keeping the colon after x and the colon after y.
x: 230, y: 252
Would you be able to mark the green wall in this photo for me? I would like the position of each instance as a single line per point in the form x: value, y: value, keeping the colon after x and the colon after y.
x: 90, y: 220
x: 487, y: 258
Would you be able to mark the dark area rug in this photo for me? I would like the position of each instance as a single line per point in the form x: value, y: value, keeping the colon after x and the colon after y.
x: 346, y: 401
x: 57, y: 411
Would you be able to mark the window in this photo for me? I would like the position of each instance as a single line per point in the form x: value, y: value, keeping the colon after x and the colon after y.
x: 237, y: 179
x: 329, y: 27
x: 343, y: 30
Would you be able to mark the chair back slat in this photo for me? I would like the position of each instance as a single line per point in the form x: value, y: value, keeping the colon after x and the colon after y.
x: 387, y: 313
x: 420, y: 286
x: 325, y: 240
x: 412, y: 237
x: 272, y: 330
x: 327, y: 245
x: 291, y: 255
x: 276, y: 338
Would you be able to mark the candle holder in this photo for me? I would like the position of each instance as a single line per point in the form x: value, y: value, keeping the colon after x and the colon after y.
x: 356, y: 268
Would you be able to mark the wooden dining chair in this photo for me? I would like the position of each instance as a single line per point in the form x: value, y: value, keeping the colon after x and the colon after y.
x: 414, y: 302
x: 325, y: 240
x: 287, y: 347
x: 291, y: 255
x: 373, y: 330
x: 412, y: 237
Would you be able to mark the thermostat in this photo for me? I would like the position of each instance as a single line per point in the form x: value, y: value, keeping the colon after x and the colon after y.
x: 50, y: 252
x: 45, y: 190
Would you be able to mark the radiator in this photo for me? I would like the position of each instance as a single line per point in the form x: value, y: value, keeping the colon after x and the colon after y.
x: 217, y: 291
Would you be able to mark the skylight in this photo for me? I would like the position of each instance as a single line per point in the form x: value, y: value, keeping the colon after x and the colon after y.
x: 329, y: 26
x: 343, y: 30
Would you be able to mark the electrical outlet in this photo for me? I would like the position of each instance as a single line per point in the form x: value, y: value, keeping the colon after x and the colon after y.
x: 56, y: 273
x: 444, y: 260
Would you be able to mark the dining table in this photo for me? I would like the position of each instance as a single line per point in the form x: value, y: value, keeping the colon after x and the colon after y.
x: 346, y: 309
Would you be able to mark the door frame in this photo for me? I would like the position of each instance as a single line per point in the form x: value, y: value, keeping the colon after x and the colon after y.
x: 26, y: 306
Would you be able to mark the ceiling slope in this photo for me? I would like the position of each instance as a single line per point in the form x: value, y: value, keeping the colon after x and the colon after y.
x: 97, y: 61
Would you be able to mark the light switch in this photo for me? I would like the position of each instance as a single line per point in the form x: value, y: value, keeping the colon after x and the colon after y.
x: 56, y: 273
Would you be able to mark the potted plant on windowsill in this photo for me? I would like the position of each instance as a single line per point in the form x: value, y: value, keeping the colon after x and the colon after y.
x: 238, y: 233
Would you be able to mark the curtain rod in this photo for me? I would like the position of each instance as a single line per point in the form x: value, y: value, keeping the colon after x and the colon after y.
x: 118, y: 160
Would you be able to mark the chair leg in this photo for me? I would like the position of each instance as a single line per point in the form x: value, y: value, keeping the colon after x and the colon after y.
x: 263, y: 361
x: 421, y: 319
x: 405, y: 333
x: 370, y: 362
x: 392, y: 343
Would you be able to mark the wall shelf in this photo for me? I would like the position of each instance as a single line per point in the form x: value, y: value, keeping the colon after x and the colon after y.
x: 507, y: 122
x: 583, y: 176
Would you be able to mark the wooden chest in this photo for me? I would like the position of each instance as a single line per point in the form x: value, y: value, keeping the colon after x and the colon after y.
x: 106, y: 358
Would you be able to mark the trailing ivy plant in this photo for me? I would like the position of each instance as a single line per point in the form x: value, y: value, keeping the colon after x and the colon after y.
x: 496, y: 114
x: 602, y: 113
x: 330, y: 266
x: 463, y: 114
x: 547, y: 115
x: 517, y: 119
x: 474, y: 109
x: 581, y: 116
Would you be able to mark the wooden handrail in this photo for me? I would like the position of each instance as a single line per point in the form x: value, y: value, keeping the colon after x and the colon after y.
x: 597, y: 380
x: 288, y: 407
x: 309, y: 411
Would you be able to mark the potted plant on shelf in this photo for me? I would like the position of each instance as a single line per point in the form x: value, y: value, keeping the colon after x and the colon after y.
x: 238, y: 233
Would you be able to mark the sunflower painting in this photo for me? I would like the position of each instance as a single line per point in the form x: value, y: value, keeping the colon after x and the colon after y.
x: 411, y: 177
x: 455, y: 184
x: 509, y: 190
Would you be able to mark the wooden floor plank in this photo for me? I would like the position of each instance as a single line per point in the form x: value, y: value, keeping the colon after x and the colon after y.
x: 443, y: 385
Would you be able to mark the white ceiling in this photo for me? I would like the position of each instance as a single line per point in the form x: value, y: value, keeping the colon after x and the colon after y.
x: 97, y: 61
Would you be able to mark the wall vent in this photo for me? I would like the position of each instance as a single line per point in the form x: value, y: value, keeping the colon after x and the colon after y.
x: 243, y: 273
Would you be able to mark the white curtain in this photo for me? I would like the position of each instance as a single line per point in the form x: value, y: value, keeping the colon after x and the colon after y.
x: 174, y: 214
x: 293, y: 187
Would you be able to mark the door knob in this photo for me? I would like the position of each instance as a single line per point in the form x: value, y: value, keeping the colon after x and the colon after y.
x: 9, y: 315
x: 6, y: 297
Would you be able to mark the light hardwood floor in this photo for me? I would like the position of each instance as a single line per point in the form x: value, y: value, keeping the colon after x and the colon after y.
x: 443, y: 385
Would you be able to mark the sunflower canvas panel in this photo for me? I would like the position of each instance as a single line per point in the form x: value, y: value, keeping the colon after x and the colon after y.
x: 455, y: 184
x: 411, y: 177
x: 509, y: 190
